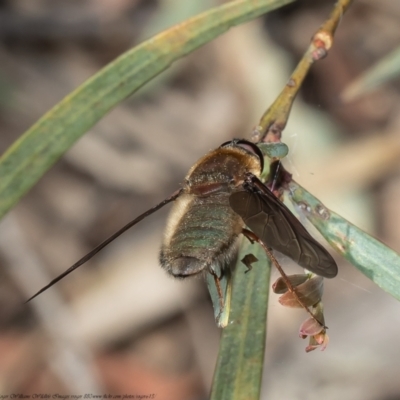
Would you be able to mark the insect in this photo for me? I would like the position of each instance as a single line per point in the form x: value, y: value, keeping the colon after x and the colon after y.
x: 222, y: 198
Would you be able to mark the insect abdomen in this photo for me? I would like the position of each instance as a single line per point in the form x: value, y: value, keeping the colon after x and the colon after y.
x: 201, y: 234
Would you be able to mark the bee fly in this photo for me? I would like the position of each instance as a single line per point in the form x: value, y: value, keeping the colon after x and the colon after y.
x: 221, y: 196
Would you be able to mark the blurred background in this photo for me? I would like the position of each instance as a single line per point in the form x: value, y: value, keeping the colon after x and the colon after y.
x: 120, y: 325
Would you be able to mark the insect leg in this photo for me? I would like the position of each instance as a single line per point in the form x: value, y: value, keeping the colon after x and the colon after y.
x: 219, y: 290
x: 254, y: 238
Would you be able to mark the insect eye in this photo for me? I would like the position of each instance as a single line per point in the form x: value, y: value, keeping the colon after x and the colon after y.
x: 248, y: 146
x: 225, y: 144
x: 252, y: 148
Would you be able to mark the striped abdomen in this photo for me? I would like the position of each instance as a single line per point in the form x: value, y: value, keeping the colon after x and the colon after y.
x: 201, y: 235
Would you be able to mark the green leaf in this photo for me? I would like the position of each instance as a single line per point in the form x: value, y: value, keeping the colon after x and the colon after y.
x: 386, y: 69
x: 43, y: 144
x: 375, y: 260
x: 241, y: 356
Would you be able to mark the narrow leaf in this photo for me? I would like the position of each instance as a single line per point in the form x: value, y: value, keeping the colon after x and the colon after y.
x: 44, y: 143
x: 241, y: 356
x: 375, y: 260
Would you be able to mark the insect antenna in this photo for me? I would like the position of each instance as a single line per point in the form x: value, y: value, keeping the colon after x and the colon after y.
x: 103, y: 244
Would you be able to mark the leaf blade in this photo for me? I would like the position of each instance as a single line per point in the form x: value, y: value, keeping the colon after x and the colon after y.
x: 370, y: 256
x: 240, y: 361
x: 22, y: 165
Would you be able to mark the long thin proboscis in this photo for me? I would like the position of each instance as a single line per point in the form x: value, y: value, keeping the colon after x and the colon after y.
x: 103, y: 244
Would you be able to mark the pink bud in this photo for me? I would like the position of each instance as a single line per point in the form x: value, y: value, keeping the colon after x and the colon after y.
x: 310, y: 327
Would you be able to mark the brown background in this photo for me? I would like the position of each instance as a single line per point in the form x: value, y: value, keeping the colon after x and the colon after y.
x: 120, y: 324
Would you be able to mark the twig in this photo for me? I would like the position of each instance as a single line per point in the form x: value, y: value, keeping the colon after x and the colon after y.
x: 274, y: 120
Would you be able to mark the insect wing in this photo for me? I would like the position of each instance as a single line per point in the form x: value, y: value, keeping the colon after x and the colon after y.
x: 279, y: 229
